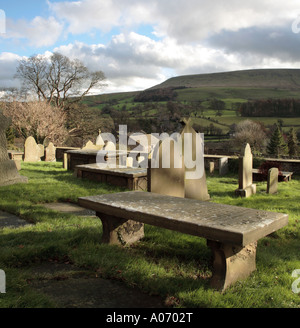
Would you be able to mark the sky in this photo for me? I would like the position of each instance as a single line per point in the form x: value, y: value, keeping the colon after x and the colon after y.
x: 141, y: 43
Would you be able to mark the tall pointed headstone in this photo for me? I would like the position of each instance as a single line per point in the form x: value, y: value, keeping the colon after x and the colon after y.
x: 195, y: 177
x: 8, y: 170
x: 246, y: 186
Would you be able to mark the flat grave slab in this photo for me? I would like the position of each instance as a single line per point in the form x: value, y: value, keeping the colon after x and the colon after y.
x: 88, y: 156
x: 130, y: 178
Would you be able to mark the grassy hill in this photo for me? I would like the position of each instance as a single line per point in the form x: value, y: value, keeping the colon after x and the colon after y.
x: 193, y: 95
x: 257, y: 78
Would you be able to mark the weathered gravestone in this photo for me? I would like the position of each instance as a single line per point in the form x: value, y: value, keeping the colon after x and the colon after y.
x: 91, y: 146
x: 50, y: 153
x: 272, y: 183
x: 168, y: 174
x: 32, y: 152
x: 8, y: 170
x: 195, y: 177
x: 246, y: 186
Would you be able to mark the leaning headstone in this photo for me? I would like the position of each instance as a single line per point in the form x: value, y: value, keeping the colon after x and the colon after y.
x: 32, y: 151
x: 50, y: 153
x: 195, y: 178
x: 272, y: 184
x: 246, y: 186
x: 8, y: 170
x: 165, y: 177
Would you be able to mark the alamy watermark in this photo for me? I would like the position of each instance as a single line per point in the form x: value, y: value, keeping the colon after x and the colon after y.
x: 2, y: 282
x: 2, y: 22
x: 176, y: 151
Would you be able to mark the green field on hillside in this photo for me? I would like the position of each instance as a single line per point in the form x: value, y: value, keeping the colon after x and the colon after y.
x: 197, y: 104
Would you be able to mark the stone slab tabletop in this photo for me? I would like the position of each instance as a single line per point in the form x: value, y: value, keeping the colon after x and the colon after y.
x: 224, y: 223
x: 128, y: 171
x: 95, y: 152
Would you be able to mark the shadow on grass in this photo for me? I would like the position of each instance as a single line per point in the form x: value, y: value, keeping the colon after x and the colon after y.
x: 158, y: 264
x: 172, y: 269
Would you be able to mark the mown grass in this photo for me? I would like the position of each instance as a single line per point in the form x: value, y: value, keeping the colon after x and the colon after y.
x: 175, y: 266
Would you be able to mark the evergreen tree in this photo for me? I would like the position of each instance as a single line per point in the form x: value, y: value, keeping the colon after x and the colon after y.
x: 292, y: 143
x: 277, y: 147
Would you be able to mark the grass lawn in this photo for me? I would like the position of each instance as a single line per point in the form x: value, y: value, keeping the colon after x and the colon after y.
x: 175, y: 266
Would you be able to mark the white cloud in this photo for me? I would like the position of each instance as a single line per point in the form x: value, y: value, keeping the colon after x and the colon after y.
x: 186, y: 21
x: 194, y: 36
x: 132, y: 61
x: 39, y: 32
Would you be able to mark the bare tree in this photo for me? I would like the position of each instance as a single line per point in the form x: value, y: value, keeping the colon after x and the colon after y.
x: 38, y: 119
x: 251, y: 132
x: 58, y: 80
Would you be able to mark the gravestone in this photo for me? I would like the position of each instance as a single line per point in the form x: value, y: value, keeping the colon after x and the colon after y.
x: 246, y: 186
x: 195, y: 178
x: 50, y: 153
x: 272, y: 183
x: 177, y: 179
x: 89, y: 145
x: 166, y: 178
x: 32, y: 151
x: 8, y: 170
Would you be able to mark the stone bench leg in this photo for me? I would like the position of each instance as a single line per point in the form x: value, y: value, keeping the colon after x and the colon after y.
x: 118, y: 231
x: 231, y: 263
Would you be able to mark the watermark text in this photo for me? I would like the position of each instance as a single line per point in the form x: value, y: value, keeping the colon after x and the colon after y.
x: 166, y: 151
